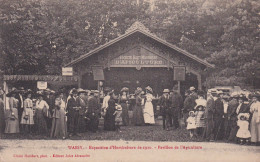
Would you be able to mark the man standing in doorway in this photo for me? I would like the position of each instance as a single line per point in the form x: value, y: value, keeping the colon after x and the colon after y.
x: 73, y: 107
x: 94, y: 110
x: 176, y: 104
x: 165, y: 108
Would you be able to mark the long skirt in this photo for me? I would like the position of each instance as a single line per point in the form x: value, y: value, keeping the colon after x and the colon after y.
x: 40, y: 122
x: 148, y: 113
x: 125, y: 116
x: 109, y: 121
x: 12, y: 122
x: 138, y: 117
x: 82, y: 124
x: 59, y: 125
x: 255, y: 128
x: 2, y: 117
x: 29, y: 113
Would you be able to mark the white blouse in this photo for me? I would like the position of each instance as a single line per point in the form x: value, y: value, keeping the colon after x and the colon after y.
x: 149, y: 97
x: 105, y: 102
x: 41, y: 104
x: 255, y: 108
x: 28, y: 103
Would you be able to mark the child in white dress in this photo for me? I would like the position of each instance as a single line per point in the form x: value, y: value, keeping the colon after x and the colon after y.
x: 191, y: 126
x: 243, y: 132
x: 118, y: 117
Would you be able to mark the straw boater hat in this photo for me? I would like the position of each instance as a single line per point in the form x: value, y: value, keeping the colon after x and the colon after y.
x: 166, y: 91
x: 21, y: 89
x: 93, y: 92
x: 124, y: 89
x: 80, y: 90
x: 226, y: 96
x: 192, y: 88
x: 246, y: 115
x: 149, y: 89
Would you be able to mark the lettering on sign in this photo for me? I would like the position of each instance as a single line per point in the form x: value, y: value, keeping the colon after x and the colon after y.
x: 134, y: 60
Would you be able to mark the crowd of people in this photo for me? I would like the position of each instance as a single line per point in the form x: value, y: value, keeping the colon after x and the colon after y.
x: 211, y: 116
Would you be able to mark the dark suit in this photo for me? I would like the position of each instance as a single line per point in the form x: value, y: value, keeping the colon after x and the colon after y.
x: 166, y: 110
x: 73, y: 115
x: 230, y: 118
x: 233, y: 117
x: 188, y: 105
x: 51, y: 102
x: 209, y: 111
x: 93, y: 113
x: 218, y: 118
x: 20, y: 105
x: 176, y: 104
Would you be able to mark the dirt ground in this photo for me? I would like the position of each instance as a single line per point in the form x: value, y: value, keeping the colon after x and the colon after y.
x: 85, y: 150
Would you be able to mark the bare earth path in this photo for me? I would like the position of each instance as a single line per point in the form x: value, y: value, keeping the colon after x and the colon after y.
x: 58, y: 150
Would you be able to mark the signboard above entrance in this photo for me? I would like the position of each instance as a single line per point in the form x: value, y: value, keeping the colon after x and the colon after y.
x: 144, y: 58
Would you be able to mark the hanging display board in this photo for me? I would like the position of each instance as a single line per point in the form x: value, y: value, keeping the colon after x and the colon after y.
x: 179, y: 73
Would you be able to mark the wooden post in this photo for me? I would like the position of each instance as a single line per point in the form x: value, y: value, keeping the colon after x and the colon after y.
x: 179, y: 86
x: 199, y: 82
x: 98, y: 92
x: 6, y: 91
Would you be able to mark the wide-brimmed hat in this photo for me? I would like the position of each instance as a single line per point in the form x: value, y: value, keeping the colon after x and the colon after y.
x: 245, y: 115
x: 125, y: 89
x: 21, y: 89
x: 166, y: 91
x: 149, y: 89
x: 257, y: 95
x: 11, y: 93
x: 118, y: 107
x: 93, y: 91
x: 80, y: 90
x: 243, y: 97
x: 107, y: 89
x: 192, y: 88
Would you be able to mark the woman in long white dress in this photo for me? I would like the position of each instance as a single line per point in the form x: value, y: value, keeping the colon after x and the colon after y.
x: 255, y: 121
x: 148, y: 107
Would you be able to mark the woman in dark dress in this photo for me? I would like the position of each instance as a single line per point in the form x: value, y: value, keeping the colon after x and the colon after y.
x: 109, y: 120
x: 138, y: 117
x: 123, y: 101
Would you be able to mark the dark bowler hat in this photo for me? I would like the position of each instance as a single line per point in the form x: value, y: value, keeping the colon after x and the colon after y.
x: 241, y: 96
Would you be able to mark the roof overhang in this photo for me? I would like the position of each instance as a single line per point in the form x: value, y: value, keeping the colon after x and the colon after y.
x: 201, y: 61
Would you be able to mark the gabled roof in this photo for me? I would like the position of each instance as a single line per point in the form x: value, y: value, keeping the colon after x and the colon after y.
x: 139, y: 27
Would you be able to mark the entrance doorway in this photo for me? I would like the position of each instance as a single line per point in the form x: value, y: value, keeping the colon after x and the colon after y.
x: 157, y: 78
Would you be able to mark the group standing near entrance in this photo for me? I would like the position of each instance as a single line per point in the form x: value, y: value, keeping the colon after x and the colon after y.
x: 219, y: 116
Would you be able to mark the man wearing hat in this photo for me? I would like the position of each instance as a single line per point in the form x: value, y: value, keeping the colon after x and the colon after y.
x: 176, y: 105
x: 209, y: 112
x: 82, y: 110
x: 165, y: 107
x: 73, y: 107
x: 231, y: 116
x: 19, y: 96
x: 241, y: 107
x: 187, y: 105
x: 218, y: 114
x: 50, y: 99
x: 94, y: 110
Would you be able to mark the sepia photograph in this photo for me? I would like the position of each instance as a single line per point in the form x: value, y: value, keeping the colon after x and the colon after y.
x: 129, y: 80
